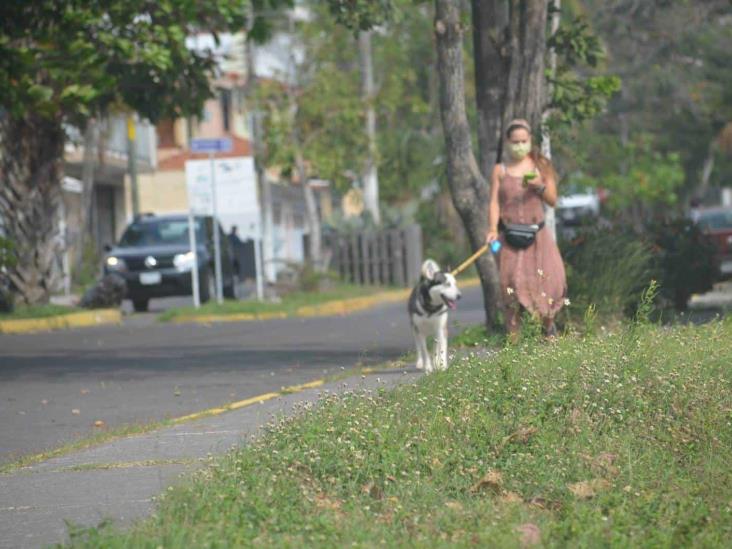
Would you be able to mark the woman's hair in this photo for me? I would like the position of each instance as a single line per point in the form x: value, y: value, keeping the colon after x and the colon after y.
x: 542, y: 163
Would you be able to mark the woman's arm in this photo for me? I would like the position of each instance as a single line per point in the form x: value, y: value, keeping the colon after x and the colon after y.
x: 550, y: 191
x: 494, y: 210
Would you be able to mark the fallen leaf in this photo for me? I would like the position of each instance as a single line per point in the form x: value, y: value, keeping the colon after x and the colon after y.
x: 524, y: 434
x: 530, y: 534
x: 492, y: 480
x: 84, y: 391
x: 374, y: 490
x: 454, y: 505
x: 589, y: 488
x: 602, y: 464
x: 99, y: 423
x: 543, y: 503
x: 511, y: 497
x: 76, y: 411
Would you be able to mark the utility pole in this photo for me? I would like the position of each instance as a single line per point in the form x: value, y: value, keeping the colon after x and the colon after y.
x: 550, y: 218
x: 370, y: 176
x: 132, y: 165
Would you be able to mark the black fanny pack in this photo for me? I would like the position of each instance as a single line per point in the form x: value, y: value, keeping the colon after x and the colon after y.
x: 520, y: 236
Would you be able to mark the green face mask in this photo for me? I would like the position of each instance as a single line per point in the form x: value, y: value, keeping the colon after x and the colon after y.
x: 519, y: 150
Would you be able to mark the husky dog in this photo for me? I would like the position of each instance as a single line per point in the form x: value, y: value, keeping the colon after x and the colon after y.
x: 431, y: 298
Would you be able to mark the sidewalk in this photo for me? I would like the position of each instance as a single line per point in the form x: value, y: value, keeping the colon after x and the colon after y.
x: 120, y: 479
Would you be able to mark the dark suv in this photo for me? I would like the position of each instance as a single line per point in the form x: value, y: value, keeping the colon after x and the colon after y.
x: 155, y: 259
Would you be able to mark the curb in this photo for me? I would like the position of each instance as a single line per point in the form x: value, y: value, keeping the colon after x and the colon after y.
x: 338, y: 307
x: 72, y: 320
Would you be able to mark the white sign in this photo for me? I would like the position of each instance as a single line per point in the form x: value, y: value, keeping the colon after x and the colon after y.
x: 236, y: 192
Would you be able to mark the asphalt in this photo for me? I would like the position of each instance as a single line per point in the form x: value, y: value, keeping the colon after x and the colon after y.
x: 55, y: 386
x: 119, y: 480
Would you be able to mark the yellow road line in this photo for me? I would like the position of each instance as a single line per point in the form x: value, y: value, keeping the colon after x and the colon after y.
x: 72, y: 320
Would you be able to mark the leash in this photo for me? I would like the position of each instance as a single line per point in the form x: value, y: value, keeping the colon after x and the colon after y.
x: 468, y: 262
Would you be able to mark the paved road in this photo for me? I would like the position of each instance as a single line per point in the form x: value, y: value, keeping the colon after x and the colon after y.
x: 54, y: 386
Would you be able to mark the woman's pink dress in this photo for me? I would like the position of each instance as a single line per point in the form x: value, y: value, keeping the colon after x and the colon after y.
x: 533, y: 277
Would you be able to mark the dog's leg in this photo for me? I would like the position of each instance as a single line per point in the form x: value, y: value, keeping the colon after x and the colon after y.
x: 420, y: 352
x: 426, y: 359
x: 441, y: 344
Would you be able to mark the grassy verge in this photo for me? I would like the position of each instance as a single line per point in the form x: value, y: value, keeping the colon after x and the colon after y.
x: 618, y: 441
x: 38, y: 311
x: 289, y: 304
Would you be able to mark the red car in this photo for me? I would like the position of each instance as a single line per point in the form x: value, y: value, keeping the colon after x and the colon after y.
x: 717, y: 224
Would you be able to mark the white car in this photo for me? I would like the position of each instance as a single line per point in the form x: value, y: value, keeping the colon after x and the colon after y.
x: 577, y: 206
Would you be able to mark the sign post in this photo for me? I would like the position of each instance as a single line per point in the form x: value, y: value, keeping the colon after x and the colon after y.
x: 210, y: 146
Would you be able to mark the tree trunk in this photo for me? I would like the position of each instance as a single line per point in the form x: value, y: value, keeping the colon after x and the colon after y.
x: 546, y: 138
x: 370, y: 176
x: 87, y: 193
x: 490, y: 36
x: 263, y: 183
x: 31, y: 168
x: 467, y: 187
x: 525, y: 94
x: 311, y: 204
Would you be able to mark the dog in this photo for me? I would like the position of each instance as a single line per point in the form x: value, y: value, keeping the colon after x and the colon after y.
x: 435, y: 294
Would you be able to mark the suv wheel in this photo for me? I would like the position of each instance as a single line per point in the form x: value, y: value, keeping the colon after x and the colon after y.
x: 140, y: 305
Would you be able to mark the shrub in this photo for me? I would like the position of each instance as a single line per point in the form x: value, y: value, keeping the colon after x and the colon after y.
x: 607, y: 269
x: 684, y: 259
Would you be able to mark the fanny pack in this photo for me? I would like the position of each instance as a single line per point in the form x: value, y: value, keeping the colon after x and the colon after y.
x: 520, y: 236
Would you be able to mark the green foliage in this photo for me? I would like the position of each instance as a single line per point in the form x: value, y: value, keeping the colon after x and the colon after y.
x: 606, y: 271
x: 576, y: 95
x: 328, y: 116
x: 361, y: 14
x: 652, y: 177
x: 68, y: 60
x: 439, y: 243
x: 588, y: 443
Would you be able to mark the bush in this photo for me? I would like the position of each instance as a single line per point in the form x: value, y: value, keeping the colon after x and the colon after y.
x: 685, y: 260
x: 607, y: 268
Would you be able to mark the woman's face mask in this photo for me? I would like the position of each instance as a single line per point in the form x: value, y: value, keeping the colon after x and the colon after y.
x: 519, y: 150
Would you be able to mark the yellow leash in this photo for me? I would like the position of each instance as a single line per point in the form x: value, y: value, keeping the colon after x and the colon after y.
x: 468, y: 262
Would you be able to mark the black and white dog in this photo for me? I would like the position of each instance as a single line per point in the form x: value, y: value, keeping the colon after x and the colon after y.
x: 429, y: 302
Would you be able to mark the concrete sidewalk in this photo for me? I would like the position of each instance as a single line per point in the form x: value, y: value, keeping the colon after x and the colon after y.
x: 119, y: 480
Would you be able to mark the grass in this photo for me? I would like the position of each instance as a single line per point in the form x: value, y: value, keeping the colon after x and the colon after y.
x: 622, y: 440
x: 289, y: 304
x: 37, y: 311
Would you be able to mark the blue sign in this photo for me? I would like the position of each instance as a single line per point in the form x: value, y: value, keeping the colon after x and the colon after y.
x: 211, y: 145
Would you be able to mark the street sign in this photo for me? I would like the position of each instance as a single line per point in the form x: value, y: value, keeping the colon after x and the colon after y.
x: 211, y: 145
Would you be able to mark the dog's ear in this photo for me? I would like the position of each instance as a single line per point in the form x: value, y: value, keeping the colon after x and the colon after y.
x: 429, y: 269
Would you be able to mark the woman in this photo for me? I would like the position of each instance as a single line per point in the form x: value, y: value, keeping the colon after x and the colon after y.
x: 531, y: 269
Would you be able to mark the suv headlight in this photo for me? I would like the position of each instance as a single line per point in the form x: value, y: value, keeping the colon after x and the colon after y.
x: 115, y: 263
x: 184, y: 262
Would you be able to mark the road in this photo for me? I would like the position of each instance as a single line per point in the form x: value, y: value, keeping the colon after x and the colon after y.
x: 55, y: 386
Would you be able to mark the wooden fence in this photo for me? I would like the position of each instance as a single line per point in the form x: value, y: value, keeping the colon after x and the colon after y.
x: 389, y: 257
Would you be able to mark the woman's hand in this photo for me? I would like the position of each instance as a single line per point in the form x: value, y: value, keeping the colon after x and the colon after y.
x: 491, y: 236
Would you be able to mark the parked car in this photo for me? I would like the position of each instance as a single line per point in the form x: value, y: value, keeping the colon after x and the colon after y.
x: 717, y: 224
x: 575, y: 207
x: 155, y: 259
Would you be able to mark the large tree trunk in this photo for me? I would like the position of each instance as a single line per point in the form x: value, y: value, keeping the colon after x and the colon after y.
x: 31, y: 166
x: 490, y: 36
x: 467, y: 186
x: 509, y: 40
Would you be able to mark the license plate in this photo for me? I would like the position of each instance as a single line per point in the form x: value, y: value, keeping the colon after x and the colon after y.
x: 148, y: 279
